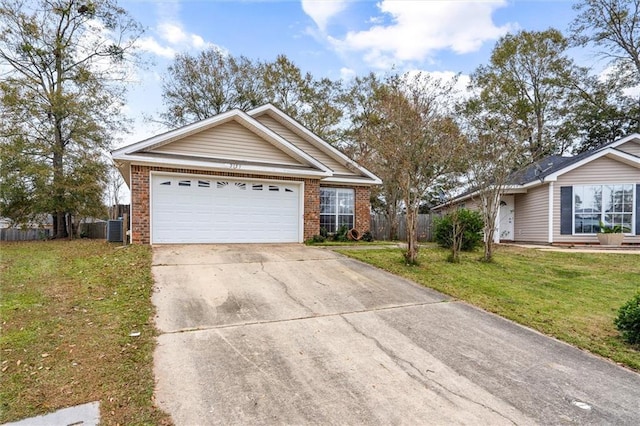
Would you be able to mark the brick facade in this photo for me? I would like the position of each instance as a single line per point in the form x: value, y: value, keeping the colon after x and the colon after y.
x: 363, y: 209
x: 311, y: 208
x: 141, y: 208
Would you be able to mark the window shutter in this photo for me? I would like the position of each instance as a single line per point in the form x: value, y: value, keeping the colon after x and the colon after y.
x: 566, y: 210
x: 637, y: 209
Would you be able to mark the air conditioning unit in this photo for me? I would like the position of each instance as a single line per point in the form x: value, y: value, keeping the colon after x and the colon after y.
x: 114, y: 231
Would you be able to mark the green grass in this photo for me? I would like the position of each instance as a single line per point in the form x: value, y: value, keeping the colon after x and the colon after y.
x: 67, y: 309
x: 571, y: 296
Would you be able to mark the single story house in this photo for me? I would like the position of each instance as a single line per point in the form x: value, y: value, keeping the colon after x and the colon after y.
x: 242, y: 177
x: 563, y: 200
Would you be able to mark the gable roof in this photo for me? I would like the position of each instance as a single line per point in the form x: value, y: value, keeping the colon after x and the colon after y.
x: 313, y: 139
x: 550, y: 168
x: 290, y: 160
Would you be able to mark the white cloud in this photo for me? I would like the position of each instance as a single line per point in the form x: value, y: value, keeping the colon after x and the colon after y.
x: 347, y: 73
x: 198, y: 42
x: 172, y: 38
x: 172, y: 32
x: 321, y: 11
x: 149, y: 44
x: 418, y: 29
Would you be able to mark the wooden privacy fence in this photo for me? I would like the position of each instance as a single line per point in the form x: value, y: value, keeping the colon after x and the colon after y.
x: 380, y: 227
x: 96, y: 230
x: 30, y: 234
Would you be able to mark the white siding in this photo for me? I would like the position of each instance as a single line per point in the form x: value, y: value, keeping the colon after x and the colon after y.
x: 230, y: 141
x: 304, y: 145
x: 632, y: 147
x: 601, y: 171
x: 531, y: 215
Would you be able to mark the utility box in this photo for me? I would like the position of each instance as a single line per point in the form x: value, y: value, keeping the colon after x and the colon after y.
x: 114, y: 231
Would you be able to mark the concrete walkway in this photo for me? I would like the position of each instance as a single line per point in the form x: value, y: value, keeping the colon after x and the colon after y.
x: 80, y: 415
x: 582, y: 249
x: 288, y: 334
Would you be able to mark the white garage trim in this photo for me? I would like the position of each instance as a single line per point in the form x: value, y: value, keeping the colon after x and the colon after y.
x: 202, y: 209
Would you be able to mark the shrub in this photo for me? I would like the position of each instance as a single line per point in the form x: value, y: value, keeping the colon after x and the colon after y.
x: 472, y: 223
x: 341, y: 234
x: 318, y: 239
x: 628, y: 320
x: 367, y: 236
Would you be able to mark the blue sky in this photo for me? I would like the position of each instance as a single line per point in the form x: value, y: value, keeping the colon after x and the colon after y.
x: 332, y: 38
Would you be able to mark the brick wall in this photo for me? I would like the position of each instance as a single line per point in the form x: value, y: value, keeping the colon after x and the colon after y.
x: 363, y: 209
x: 140, y: 207
x: 311, y: 208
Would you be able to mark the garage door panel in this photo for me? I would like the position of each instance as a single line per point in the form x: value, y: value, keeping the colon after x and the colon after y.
x: 187, y: 209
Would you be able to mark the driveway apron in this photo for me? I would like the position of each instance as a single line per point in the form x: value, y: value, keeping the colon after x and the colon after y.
x: 289, y: 334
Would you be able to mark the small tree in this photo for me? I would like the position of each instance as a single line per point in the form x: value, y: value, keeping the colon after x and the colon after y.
x: 412, y: 131
x: 494, y: 152
x: 461, y: 229
x: 360, y: 105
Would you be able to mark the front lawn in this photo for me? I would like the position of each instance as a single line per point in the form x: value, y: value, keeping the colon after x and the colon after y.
x: 71, y: 311
x: 571, y: 296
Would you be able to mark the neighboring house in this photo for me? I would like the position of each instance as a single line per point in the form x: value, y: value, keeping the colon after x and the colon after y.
x: 563, y: 200
x: 256, y: 176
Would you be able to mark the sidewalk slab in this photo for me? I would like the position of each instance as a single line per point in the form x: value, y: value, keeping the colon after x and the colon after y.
x: 80, y: 415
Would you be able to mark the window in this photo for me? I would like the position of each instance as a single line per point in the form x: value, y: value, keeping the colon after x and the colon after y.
x: 609, y: 204
x: 337, y: 206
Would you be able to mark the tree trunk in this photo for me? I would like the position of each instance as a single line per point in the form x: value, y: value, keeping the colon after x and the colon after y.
x: 58, y: 195
x: 488, y: 245
x: 411, y: 256
x: 392, y: 220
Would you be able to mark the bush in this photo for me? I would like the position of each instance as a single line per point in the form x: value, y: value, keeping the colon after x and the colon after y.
x: 341, y: 234
x: 472, y: 223
x: 628, y: 320
x: 318, y: 239
x: 367, y: 236
x: 323, y: 232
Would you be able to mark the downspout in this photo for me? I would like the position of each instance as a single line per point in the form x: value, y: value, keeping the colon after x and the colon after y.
x: 550, y: 213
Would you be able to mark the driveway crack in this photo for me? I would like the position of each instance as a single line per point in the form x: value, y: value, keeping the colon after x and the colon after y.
x: 286, y: 290
x: 419, y: 376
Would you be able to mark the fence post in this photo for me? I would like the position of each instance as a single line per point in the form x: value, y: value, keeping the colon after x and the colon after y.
x: 125, y: 226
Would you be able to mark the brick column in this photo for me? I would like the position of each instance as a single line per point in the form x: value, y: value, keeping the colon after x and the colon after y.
x: 311, y: 208
x: 140, y: 208
x: 363, y: 209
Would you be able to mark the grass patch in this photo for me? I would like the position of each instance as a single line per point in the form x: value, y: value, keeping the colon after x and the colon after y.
x: 67, y: 309
x: 571, y: 296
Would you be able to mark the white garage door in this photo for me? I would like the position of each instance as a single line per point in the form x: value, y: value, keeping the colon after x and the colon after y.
x: 194, y: 209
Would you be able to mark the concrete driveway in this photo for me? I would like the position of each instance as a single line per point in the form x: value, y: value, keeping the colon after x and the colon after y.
x: 288, y: 334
